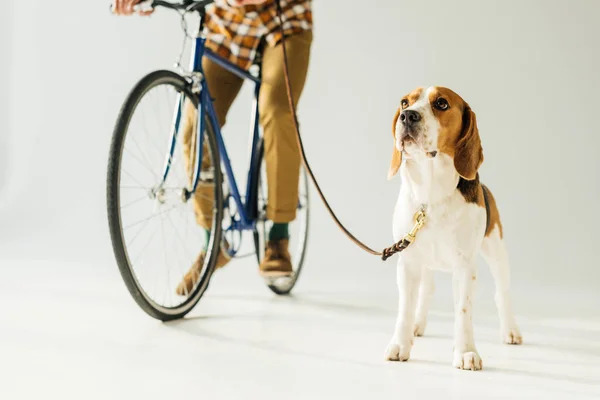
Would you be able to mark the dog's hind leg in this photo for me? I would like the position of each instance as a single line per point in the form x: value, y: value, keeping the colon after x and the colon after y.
x: 425, y: 292
x: 494, y: 252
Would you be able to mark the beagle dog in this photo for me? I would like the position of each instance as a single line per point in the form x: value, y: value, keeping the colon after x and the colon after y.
x: 438, y: 152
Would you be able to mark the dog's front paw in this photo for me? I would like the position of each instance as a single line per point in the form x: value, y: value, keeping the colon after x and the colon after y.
x: 512, y: 335
x: 420, y: 327
x: 469, y: 360
x: 397, y: 352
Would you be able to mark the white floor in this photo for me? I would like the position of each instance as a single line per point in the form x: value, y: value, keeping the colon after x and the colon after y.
x: 68, y: 332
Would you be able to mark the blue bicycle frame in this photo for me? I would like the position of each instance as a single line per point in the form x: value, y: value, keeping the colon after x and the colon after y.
x: 205, y: 108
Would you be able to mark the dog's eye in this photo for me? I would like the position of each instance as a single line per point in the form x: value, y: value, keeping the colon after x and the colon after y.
x: 441, y: 104
x: 404, y: 103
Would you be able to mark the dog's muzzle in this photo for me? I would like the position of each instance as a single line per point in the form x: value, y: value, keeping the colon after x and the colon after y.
x: 409, y: 120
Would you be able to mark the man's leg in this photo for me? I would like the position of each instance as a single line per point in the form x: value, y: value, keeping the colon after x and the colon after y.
x: 224, y: 87
x: 282, y: 155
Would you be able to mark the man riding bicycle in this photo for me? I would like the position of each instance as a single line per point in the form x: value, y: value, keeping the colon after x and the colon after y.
x: 234, y: 30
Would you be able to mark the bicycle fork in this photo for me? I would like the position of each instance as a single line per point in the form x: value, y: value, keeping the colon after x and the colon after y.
x: 158, y: 193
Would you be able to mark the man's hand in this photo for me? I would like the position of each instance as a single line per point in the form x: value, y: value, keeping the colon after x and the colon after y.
x: 125, y: 7
x: 238, y: 3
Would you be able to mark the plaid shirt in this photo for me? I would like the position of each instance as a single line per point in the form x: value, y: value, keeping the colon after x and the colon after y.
x: 234, y: 33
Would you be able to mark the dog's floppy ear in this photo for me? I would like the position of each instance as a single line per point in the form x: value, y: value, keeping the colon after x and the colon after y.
x: 396, y: 154
x: 468, y: 154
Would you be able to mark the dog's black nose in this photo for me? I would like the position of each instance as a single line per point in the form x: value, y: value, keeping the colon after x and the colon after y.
x: 410, y: 117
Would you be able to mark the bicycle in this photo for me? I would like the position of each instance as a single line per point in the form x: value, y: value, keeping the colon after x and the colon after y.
x: 168, y: 191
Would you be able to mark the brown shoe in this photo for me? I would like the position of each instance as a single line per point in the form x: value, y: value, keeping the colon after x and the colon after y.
x: 277, y: 261
x: 192, y: 277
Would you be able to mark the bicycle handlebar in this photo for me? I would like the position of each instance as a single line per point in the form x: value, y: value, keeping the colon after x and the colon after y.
x: 187, y: 5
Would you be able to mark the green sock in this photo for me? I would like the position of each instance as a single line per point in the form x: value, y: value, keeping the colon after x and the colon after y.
x: 279, y: 231
x: 207, y: 232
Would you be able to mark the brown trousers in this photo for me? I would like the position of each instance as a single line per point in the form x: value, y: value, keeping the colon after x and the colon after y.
x: 282, y: 156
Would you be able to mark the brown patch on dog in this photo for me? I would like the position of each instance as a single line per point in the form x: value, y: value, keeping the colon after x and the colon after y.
x: 411, y: 98
x: 494, y: 215
x: 396, y: 154
x: 469, y: 153
x: 450, y: 120
x: 471, y: 190
x: 458, y: 136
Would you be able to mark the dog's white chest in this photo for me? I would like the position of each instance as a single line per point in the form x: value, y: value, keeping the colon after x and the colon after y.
x: 448, y: 237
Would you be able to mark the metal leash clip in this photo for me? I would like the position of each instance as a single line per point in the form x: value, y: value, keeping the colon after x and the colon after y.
x: 419, y: 218
x: 409, y: 238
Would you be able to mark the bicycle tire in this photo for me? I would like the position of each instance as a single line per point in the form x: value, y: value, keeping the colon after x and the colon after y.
x: 281, y: 286
x: 152, y: 80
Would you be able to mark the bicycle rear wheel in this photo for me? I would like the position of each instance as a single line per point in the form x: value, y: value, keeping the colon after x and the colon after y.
x: 153, y: 228
x: 298, y: 228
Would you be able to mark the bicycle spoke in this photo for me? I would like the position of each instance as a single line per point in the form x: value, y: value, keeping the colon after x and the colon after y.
x: 141, y: 162
x: 162, y: 227
x: 173, y: 162
x: 196, y: 232
x: 158, y: 150
x: 178, y: 255
x: 172, y: 158
x: 139, y: 256
x: 135, y: 201
x: 138, y: 232
x: 132, y: 177
x: 133, y: 187
x: 150, y: 217
x: 177, y: 235
x: 185, y: 249
x: 142, y: 153
x: 158, y: 124
x: 139, y: 259
x: 158, y: 120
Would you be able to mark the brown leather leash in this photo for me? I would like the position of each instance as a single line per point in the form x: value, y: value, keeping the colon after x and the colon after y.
x: 419, y: 217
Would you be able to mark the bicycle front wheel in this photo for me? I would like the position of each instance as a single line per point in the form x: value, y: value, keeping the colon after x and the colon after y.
x: 153, y: 227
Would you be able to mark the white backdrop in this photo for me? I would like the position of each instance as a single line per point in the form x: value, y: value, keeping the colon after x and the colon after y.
x: 528, y: 68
